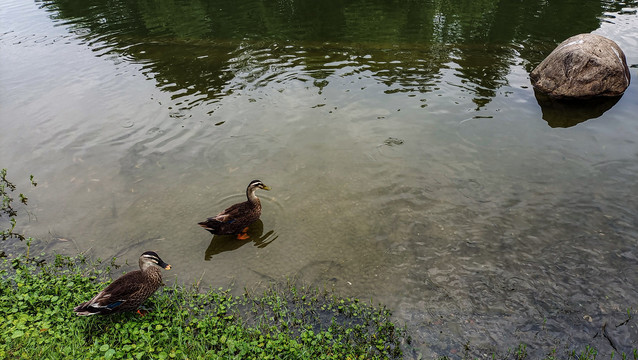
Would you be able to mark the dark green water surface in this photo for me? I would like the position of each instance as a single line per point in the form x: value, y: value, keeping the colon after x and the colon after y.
x: 409, y: 160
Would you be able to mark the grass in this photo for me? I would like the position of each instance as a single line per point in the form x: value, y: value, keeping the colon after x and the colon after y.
x: 285, y: 322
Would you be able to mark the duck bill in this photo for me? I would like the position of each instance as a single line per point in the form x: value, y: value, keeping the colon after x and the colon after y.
x: 165, y: 266
x: 266, y: 187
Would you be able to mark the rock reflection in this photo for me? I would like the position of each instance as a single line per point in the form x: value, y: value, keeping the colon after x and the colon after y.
x: 221, y: 243
x: 561, y: 113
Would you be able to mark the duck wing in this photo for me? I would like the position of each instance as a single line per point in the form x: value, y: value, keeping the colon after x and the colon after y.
x: 125, y: 293
x: 231, y: 220
x: 235, y: 212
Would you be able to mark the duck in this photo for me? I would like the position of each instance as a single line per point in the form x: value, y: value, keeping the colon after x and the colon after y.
x: 237, y: 218
x: 128, y: 291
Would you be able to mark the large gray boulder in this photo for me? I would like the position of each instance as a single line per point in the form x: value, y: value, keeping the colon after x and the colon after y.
x: 582, y: 67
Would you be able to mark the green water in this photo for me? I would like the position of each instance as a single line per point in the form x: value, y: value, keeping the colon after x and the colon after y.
x: 409, y: 160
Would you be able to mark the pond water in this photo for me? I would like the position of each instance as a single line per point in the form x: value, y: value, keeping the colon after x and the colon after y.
x: 409, y: 160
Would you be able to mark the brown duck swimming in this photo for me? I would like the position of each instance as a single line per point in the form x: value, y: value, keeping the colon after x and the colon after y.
x: 237, y: 218
x: 129, y: 291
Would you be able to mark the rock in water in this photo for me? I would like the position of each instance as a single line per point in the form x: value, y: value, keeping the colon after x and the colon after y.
x: 582, y: 67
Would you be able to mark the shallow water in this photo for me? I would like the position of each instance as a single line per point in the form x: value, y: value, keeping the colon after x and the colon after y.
x: 409, y: 160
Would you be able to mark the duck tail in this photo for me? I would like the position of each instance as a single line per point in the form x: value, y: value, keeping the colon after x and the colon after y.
x: 210, y: 224
x: 85, y: 309
x: 93, y: 308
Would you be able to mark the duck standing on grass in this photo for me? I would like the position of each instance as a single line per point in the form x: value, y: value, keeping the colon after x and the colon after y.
x: 237, y: 218
x: 129, y: 291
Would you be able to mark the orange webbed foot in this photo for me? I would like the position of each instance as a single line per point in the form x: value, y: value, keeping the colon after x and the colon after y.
x: 142, y: 312
x: 243, y: 235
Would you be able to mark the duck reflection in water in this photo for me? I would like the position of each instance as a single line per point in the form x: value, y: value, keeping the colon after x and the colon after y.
x: 221, y: 243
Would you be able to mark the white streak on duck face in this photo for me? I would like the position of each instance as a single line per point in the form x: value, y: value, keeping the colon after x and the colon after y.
x: 151, y: 258
x: 252, y: 187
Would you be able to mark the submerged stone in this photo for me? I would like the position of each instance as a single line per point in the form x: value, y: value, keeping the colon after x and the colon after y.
x: 582, y: 67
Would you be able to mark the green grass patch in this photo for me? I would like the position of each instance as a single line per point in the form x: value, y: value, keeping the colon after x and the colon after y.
x: 285, y: 322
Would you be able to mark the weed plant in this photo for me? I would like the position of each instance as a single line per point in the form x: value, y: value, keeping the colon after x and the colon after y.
x: 8, y: 210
